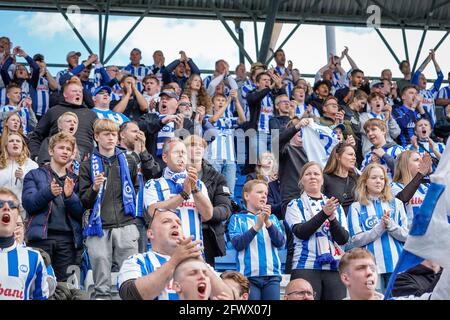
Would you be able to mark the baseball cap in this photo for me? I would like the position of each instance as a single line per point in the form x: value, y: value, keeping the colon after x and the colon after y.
x: 38, y: 57
x: 376, y: 83
x: 169, y: 93
x: 101, y: 88
x: 338, y: 126
x: 73, y: 53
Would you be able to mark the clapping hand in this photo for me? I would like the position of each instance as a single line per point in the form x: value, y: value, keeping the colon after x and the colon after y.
x: 330, y: 208
x: 69, y: 185
x: 55, y: 188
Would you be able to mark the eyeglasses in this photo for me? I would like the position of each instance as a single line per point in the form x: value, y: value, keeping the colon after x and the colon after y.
x: 302, y: 294
x: 185, y: 104
x: 164, y: 210
x: 11, y: 204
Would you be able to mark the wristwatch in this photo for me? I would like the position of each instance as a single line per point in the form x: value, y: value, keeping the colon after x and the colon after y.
x: 184, y: 195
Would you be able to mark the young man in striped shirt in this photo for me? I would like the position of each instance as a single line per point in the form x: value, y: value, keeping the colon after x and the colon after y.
x: 23, y: 275
x: 46, y: 83
x: 428, y: 95
x: 256, y: 234
x: 137, y: 69
x: 179, y: 189
x: 381, y: 151
x: 221, y: 152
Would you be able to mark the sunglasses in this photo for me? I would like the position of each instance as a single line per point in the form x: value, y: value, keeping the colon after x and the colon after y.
x: 11, y: 204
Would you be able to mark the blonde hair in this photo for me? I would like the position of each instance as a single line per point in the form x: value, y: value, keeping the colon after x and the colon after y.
x: 259, y: 170
x: 353, y: 254
x: 375, y: 123
x: 402, y: 173
x: 249, y: 185
x: 101, y: 125
x: 63, y: 116
x: 61, y: 137
x: 193, y: 140
x: 6, y: 131
x: 302, y: 173
x: 361, y: 193
x: 24, y: 154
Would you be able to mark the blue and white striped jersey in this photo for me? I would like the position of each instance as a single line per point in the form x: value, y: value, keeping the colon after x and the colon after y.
x: 117, y: 117
x: 207, y: 81
x: 429, y: 95
x: 157, y: 190
x: 244, y: 90
x: 260, y: 257
x: 140, y: 73
x: 24, y: 115
x: 42, y: 101
x: 288, y: 81
x: 392, y: 150
x: 424, y: 148
x: 166, y: 132
x: 385, y: 248
x: 300, y: 109
x: 306, y: 252
x: 444, y: 93
x: 222, y: 147
x: 141, y: 265
x: 415, y: 202
x: 3, y: 98
x: 23, y: 275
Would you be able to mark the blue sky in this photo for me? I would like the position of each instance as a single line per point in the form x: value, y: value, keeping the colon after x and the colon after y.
x: 206, y: 41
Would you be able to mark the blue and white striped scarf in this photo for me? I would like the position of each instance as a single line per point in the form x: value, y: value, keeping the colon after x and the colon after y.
x: 94, y: 227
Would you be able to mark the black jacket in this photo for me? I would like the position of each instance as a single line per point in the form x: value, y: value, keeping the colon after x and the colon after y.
x: 415, y: 281
x: 112, y: 211
x: 219, y: 194
x: 254, y: 99
x: 48, y: 126
x: 150, y: 124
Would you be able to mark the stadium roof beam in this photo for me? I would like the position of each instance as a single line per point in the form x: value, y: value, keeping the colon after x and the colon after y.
x: 149, y: 7
x: 271, y: 14
x: 254, y: 18
x: 337, y: 12
x: 105, y: 31
x: 405, y: 44
x: 80, y: 37
x: 231, y: 33
x: 299, y: 23
x: 388, y: 46
x: 419, y: 50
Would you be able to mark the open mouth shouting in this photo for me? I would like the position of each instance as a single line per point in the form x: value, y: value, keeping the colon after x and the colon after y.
x: 201, y: 289
x: 6, y: 218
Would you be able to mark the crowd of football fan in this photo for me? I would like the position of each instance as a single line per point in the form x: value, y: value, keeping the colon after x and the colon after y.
x: 152, y: 173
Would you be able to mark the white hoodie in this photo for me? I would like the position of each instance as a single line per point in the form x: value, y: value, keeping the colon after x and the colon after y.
x: 8, y: 179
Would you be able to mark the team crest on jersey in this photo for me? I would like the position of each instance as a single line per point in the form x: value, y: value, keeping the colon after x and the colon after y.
x: 370, y: 222
x: 23, y: 268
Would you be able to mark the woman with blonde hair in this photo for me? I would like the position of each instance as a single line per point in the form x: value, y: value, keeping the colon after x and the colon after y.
x: 319, y: 227
x: 12, y: 124
x: 408, y: 183
x: 266, y: 168
x: 15, y: 163
x: 378, y: 222
x: 196, y: 92
x: 340, y: 176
